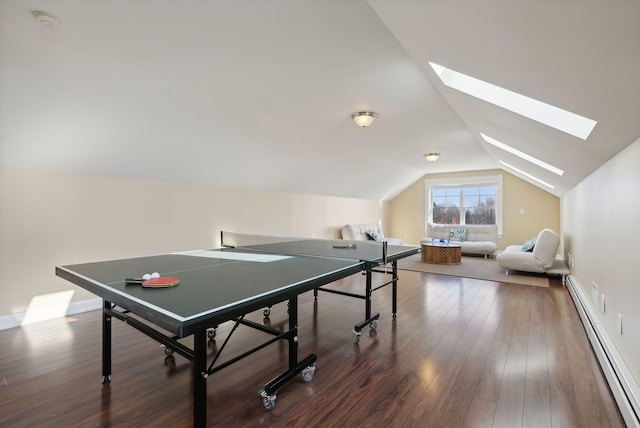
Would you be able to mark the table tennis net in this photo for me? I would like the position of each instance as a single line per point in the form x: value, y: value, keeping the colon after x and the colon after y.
x: 334, y: 248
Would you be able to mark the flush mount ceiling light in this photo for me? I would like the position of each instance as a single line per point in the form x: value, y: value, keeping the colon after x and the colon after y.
x: 432, y: 157
x: 364, y: 118
x: 533, y: 109
x: 45, y: 19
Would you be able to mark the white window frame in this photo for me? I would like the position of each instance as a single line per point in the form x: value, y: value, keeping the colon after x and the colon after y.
x: 484, y: 180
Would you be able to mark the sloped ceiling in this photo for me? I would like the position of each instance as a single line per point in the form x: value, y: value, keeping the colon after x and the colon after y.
x: 258, y: 94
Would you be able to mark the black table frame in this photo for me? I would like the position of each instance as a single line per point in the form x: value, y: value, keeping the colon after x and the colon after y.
x: 198, y: 355
x: 112, y: 303
x: 370, y: 319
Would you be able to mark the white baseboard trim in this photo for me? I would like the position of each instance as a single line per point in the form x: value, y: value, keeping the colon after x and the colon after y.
x: 84, y: 306
x: 624, y: 387
x: 15, y: 320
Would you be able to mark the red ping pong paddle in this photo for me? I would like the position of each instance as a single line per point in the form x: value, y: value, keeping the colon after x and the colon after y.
x: 160, y: 282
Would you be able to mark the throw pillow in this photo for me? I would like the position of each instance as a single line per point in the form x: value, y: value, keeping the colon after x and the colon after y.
x: 459, y: 234
x: 528, y: 246
x: 373, y: 236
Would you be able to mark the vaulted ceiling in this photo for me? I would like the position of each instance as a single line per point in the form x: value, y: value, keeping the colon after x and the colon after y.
x: 259, y: 94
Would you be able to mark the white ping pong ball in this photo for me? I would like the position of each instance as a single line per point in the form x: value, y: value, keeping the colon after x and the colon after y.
x: 155, y: 275
x: 146, y: 277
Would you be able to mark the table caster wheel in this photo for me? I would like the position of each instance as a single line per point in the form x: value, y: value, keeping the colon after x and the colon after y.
x: 266, y: 312
x: 308, y: 372
x: 268, y: 401
x: 168, y: 351
x: 373, y: 325
x: 356, y: 336
x: 211, y: 333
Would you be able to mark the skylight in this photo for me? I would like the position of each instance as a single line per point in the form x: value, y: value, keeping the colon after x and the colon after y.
x: 549, y: 115
x: 522, y: 155
x: 544, y: 183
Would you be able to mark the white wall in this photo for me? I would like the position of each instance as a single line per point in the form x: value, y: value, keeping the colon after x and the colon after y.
x: 53, y: 218
x: 601, y: 231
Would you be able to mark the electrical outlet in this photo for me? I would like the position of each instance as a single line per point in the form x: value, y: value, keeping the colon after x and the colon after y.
x: 620, y: 323
x: 602, y: 307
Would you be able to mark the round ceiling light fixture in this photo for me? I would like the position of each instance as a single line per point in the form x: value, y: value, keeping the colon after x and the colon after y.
x: 364, y: 118
x: 45, y: 19
x: 432, y: 157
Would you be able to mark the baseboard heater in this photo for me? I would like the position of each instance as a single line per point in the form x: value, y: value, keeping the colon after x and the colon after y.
x: 621, y: 382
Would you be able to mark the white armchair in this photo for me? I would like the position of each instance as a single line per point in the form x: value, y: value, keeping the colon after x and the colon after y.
x: 361, y: 232
x: 539, y: 260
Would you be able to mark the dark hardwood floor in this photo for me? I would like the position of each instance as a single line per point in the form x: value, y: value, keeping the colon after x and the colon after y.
x: 462, y: 353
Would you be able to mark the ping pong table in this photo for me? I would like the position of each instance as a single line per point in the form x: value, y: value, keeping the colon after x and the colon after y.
x: 248, y: 273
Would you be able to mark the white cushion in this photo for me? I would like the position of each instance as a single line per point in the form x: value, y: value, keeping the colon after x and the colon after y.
x: 541, y: 259
x: 475, y: 232
x: 358, y: 232
x: 480, y: 238
x: 546, y: 248
x: 515, y: 259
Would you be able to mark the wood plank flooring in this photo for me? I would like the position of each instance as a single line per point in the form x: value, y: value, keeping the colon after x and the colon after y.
x: 462, y: 353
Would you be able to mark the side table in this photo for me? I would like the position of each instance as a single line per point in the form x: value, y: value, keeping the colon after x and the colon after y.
x: 438, y: 253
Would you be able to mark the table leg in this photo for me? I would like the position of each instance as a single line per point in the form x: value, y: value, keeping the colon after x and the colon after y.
x: 293, y: 326
x: 200, y: 378
x: 306, y: 366
x: 368, y: 296
x: 106, y: 342
x: 370, y: 319
x: 394, y: 304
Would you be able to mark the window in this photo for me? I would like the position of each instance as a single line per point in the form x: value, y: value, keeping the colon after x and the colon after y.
x: 471, y: 200
x: 533, y: 109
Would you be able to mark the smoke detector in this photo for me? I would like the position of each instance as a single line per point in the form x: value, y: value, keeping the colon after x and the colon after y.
x: 45, y: 19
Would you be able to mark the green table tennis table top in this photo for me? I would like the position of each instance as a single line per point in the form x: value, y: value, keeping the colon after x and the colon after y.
x: 216, y: 285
